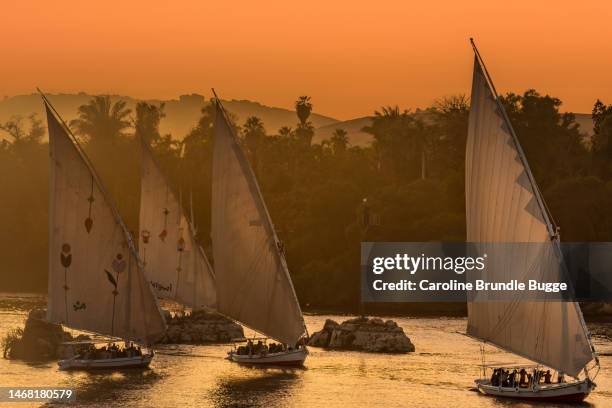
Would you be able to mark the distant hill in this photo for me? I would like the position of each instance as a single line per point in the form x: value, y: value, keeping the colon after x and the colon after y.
x: 359, y: 138
x: 182, y: 114
x: 353, y: 127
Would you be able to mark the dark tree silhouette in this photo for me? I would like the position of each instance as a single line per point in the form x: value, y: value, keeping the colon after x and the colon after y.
x: 303, y: 108
x: 315, y: 191
x: 100, y: 119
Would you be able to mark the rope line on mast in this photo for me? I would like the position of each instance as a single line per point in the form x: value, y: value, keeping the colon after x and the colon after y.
x: 552, y: 228
x: 107, y: 198
x: 550, y: 224
x: 252, y: 182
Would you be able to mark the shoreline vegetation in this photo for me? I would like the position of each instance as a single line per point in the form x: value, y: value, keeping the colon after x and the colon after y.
x: 325, y: 197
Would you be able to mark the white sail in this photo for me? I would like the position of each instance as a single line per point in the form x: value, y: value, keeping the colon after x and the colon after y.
x: 175, y: 264
x: 253, y: 283
x: 503, y: 205
x: 96, y: 282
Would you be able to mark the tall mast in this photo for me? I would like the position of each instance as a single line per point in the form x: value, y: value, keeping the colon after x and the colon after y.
x: 98, y: 180
x: 138, y: 291
x: 262, y: 205
x: 552, y: 228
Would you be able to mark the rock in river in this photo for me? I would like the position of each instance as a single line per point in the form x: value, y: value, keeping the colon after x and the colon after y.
x: 39, y: 339
x: 363, y: 334
x: 200, y: 327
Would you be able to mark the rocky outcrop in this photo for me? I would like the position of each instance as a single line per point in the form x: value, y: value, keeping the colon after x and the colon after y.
x: 200, y: 327
x: 39, y: 339
x: 363, y: 334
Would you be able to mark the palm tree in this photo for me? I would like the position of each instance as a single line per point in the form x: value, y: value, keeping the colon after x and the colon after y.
x: 100, y: 119
x: 253, y: 133
x: 103, y: 124
x: 400, y: 140
x: 450, y: 122
x: 303, y: 108
x: 285, y: 132
x: 148, y: 117
x: 339, y: 140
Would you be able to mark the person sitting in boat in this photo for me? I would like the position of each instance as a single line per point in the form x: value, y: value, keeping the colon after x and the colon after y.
x: 529, y: 380
x: 561, y: 378
x: 503, y: 377
x: 547, y: 377
x: 88, y: 352
x: 537, y: 376
x: 541, y: 375
x: 513, y: 376
x: 495, y: 377
x: 522, y: 378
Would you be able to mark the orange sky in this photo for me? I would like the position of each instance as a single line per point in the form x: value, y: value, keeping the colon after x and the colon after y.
x: 350, y: 56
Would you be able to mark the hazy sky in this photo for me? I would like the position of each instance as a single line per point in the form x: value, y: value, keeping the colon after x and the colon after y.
x: 350, y: 56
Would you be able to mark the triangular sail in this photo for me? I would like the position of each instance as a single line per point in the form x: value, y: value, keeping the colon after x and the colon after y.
x: 175, y: 264
x: 96, y: 282
x: 253, y: 283
x: 504, y: 205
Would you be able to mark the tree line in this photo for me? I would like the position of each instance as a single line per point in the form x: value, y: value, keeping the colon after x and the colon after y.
x: 324, y: 198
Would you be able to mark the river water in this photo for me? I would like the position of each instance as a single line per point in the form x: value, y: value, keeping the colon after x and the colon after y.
x: 439, y: 374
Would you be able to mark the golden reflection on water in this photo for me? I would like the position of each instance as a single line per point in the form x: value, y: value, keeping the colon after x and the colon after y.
x: 439, y: 374
x: 268, y: 388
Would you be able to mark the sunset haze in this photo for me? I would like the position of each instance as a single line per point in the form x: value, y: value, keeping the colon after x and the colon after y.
x: 351, y: 57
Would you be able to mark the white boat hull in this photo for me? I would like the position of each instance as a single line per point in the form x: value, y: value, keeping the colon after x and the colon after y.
x: 565, y: 392
x: 291, y: 358
x: 106, y: 364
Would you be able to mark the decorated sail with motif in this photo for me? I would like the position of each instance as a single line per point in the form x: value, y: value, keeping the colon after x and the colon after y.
x: 503, y: 205
x: 175, y: 263
x: 253, y: 282
x: 96, y: 281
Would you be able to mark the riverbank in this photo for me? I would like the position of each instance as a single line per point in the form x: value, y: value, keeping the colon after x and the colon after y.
x: 593, y: 312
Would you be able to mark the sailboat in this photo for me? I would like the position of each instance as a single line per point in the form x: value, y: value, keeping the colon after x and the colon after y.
x: 504, y: 205
x: 253, y: 282
x: 96, y: 279
x: 175, y: 264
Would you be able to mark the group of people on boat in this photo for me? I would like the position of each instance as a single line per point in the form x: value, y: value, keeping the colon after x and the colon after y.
x: 111, y: 351
x: 261, y: 348
x: 515, y: 378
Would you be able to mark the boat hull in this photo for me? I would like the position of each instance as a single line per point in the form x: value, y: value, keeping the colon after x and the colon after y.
x: 107, y: 363
x: 292, y: 358
x: 566, y: 392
